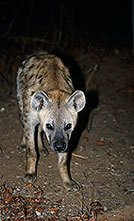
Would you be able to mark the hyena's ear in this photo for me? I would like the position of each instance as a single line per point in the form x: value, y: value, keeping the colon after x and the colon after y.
x: 77, y: 100
x: 40, y: 99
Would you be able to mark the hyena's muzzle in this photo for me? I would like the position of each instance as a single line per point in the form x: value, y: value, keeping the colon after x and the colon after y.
x: 59, y: 143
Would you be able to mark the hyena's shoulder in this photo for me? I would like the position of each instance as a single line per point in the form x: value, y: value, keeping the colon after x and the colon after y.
x: 31, y: 63
x: 43, y: 71
x: 39, y: 63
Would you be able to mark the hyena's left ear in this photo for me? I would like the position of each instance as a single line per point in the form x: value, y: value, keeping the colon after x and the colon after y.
x: 40, y: 99
x: 77, y: 100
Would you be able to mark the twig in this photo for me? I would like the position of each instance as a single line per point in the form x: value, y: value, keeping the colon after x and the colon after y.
x: 79, y: 156
x: 28, y: 39
x: 128, y: 88
x: 60, y: 22
x: 12, y: 21
x: 2, y: 151
x: 92, y: 71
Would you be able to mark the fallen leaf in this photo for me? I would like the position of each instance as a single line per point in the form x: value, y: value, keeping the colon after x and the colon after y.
x: 100, y: 143
x: 8, y: 200
x: 85, y: 138
x: 29, y: 185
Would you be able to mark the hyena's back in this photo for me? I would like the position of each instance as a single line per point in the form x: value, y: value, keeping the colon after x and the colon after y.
x: 42, y: 72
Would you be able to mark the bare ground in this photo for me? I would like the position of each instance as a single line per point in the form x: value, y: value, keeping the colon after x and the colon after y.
x: 102, y: 163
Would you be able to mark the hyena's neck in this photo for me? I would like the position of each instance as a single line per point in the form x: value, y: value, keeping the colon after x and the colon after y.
x: 58, y: 96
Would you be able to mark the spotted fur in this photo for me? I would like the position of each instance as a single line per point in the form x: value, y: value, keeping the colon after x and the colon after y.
x: 48, y: 103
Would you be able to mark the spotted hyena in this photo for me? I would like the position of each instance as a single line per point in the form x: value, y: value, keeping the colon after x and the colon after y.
x: 48, y: 103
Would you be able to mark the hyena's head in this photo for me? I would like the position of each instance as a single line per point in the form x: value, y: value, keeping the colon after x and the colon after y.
x: 58, y: 120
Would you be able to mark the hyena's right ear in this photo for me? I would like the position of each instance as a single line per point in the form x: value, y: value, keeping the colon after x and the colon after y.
x: 40, y: 99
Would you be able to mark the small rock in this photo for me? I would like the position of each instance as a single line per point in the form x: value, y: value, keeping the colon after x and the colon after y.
x: 2, y: 109
x: 38, y: 213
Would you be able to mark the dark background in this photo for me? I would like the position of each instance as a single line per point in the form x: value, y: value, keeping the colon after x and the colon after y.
x: 107, y: 23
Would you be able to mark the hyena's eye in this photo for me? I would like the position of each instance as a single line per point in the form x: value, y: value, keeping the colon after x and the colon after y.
x: 68, y: 126
x: 49, y: 127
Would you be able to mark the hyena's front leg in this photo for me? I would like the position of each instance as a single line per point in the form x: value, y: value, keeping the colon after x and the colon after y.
x: 31, y: 155
x: 68, y: 183
x: 22, y: 145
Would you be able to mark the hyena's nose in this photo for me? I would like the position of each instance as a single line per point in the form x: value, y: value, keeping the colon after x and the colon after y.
x: 59, y: 146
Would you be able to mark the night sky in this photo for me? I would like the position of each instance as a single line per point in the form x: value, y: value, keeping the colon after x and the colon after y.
x: 87, y: 19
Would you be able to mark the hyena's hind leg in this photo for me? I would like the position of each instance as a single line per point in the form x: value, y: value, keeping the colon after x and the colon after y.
x: 41, y: 145
x: 22, y: 146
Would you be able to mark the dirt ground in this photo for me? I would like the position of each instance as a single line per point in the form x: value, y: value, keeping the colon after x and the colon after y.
x: 102, y: 163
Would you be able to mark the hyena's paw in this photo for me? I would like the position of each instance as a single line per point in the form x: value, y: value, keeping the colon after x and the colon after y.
x: 71, y: 186
x: 29, y: 178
